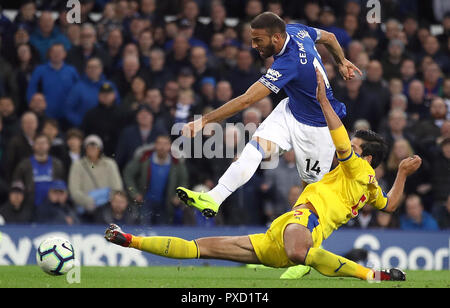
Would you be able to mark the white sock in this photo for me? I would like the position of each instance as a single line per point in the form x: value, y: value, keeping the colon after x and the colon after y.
x: 238, y: 173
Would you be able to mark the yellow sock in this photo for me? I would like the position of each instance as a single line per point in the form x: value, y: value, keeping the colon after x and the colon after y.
x: 166, y: 246
x: 329, y: 264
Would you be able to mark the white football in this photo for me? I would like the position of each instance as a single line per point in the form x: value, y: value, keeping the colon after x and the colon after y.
x: 55, y: 256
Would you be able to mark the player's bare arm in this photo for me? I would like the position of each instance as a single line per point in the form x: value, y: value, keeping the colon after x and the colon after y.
x: 346, y: 68
x: 333, y: 121
x: 406, y: 167
x: 255, y: 93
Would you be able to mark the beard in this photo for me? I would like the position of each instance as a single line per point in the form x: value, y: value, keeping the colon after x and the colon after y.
x: 267, y: 51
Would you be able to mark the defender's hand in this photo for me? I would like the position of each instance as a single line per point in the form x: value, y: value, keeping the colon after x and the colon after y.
x: 191, y: 129
x: 409, y: 165
x: 347, y: 70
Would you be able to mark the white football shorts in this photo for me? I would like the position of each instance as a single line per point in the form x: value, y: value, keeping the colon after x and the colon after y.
x: 313, y: 146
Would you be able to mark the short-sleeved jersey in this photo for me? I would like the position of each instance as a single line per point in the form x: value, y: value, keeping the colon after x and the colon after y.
x: 339, y: 195
x: 293, y: 70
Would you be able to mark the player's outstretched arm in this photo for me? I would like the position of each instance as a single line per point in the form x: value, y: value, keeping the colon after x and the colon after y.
x: 338, y: 132
x: 406, y: 167
x: 346, y: 68
x: 255, y: 93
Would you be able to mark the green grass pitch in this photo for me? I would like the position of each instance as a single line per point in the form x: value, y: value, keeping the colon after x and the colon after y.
x: 202, y: 277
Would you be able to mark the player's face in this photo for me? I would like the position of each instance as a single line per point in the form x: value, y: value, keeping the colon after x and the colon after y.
x: 356, y: 145
x: 262, y: 42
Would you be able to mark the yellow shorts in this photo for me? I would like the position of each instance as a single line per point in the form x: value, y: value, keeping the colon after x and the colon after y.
x: 269, y: 247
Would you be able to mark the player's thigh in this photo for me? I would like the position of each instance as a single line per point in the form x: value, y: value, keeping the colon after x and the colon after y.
x: 273, y: 133
x: 314, y: 151
x: 234, y: 248
x: 297, y: 240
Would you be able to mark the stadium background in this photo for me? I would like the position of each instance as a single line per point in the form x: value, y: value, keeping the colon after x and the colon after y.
x: 163, y: 62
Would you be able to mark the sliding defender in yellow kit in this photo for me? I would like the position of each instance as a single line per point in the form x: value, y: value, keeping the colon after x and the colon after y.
x: 295, y: 237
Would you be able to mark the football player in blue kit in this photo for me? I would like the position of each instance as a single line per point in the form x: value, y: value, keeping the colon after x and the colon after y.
x: 296, y: 123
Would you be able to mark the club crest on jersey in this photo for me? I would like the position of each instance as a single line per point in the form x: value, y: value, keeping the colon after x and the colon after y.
x: 302, y: 34
x: 273, y: 75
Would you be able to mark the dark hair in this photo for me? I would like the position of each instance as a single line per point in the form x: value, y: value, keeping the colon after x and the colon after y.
x: 373, y: 145
x: 270, y: 22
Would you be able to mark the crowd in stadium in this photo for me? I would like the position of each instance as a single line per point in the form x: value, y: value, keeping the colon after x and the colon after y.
x: 87, y: 108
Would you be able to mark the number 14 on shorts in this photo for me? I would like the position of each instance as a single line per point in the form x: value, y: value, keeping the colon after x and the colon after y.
x: 314, y: 168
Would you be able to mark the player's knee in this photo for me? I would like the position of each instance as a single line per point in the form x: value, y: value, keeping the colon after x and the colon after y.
x: 297, y: 255
x: 297, y: 241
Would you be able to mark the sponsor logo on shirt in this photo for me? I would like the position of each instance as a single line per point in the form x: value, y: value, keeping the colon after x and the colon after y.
x: 273, y: 75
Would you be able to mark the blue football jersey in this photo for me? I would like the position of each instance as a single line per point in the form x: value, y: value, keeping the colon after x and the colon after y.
x: 294, y: 71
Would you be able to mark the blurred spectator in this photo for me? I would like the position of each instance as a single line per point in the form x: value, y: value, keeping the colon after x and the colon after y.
x: 442, y: 214
x: 105, y: 119
x: 84, y: 95
x: 277, y: 184
x: 265, y: 106
x: 408, y: 73
x: 149, y: 10
x: 432, y: 48
x: 384, y: 220
x: 25, y: 65
x: 58, y: 149
x: 200, y: 66
x: 116, y: 211
x: 375, y: 88
x: 54, y: 79
x: 16, y: 210
x: 145, y: 44
x: 416, y: 100
x: 217, y: 24
x: 26, y: 16
x: 244, y: 74
x: 189, y: 16
x: 207, y: 90
x: 366, y: 218
x: 132, y: 137
x: 8, y: 84
x: 38, y: 105
x: 39, y: 171
x: 432, y: 78
x: 135, y: 97
x: 74, y: 143
x: 178, y: 56
x: 430, y: 127
x: 151, y: 178
x: 252, y: 9
x: 311, y: 13
x: 73, y: 33
x: 397, y: 128
x: 327, y: 19
x: 57, y: 209
x: 185, y: 106
x: 20, y: 146
x: 393, y: 60
x: 11, y: 124
x: 113, y: 46
x: 78, y: 56
x: 158, y: 69
x: 153, y: 99
x: 224, y: 93
x: 123, y: 78
x: 47, y: 35
x: 446, y: 94
x: 358, y: 103
x: 440, y: 172
x: 415, y: 218
x: 402, y: 149
x: 93, y: 177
